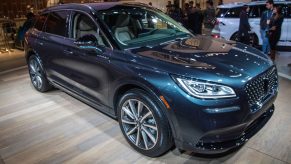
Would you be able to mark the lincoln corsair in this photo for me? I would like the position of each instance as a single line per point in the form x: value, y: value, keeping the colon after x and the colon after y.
x: 165, y: 86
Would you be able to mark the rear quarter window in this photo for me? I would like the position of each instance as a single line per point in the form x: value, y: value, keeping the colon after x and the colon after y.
x: 40, y: 20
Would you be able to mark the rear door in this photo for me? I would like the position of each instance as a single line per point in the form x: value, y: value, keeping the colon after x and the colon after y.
x: 53, y: 41
x: 254, y: 19
x: 34, y: 38
x: 228, y: 21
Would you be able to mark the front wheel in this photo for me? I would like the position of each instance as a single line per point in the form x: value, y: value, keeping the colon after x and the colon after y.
x: 143, y: 124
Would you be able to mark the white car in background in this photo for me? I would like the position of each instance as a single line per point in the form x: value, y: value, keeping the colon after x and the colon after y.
x: 228, y: 21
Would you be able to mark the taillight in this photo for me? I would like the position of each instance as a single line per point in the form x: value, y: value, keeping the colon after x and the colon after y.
x: 215, y: 35
x: 217, y: 22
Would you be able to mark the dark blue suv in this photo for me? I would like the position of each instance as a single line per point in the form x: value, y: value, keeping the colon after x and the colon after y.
x: 164, y: 85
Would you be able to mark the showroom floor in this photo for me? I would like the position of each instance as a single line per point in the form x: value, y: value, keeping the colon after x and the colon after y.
x: 54, y: 127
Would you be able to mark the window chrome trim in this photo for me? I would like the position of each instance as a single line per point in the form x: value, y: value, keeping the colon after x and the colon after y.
x: 70, y: 16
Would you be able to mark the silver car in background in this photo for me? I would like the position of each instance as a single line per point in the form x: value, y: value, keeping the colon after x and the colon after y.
x: 228, y: 21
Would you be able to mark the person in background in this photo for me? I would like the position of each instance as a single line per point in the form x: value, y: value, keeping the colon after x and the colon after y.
x: 169, y: 7
x: 275, y: 30
x: 244, y: 26
x: 200, y: 20
x: 195, y: 19
x: 150, y: 4
x: 176, y: 13
x: 264, y: 25
x: 185, y: 15
x: 209, y: 18
x: 61, y: 2
x: 191, y: 5
x: 30, y: 20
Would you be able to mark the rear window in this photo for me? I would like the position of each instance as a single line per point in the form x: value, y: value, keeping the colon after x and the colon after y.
x: 56, y: 23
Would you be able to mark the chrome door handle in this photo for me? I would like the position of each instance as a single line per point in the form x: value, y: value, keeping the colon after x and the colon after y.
x: 68, y: 52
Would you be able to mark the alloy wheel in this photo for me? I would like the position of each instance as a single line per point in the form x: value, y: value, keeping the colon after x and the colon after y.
x: 139, y: 124
x: 35, y: 73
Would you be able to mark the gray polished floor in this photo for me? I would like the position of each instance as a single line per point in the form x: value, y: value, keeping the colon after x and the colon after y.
x: 53, y: 127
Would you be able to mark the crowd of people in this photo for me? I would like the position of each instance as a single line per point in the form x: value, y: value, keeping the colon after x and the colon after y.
x: 192, y: 17
x: 270, y: 27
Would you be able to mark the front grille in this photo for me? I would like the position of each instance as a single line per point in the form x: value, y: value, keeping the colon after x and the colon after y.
x: 260, y: 87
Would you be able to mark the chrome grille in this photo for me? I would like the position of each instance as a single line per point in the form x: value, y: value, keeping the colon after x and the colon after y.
x: 260, y: 87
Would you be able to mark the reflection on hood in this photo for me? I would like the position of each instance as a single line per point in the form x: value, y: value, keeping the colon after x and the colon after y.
x: 201, y: 44
x: 187, y: 62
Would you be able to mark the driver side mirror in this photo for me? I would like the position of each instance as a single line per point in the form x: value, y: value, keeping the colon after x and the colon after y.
x: 89, y: 42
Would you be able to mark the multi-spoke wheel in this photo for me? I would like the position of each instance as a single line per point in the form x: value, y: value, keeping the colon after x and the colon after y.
x: 143, y: 123
x: 37, y: 75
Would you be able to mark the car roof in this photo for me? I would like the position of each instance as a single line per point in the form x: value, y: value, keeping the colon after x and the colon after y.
x: 97, y: 6
x: 253, y: 3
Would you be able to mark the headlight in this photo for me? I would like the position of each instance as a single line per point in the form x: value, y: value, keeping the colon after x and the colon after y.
x: 205, y: 89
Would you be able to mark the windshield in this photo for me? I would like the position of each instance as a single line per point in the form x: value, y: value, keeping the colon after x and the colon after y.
x: 141, y: 26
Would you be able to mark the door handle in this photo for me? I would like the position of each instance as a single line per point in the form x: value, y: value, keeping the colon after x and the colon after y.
x: 40, y: 43
x: 68, y: 52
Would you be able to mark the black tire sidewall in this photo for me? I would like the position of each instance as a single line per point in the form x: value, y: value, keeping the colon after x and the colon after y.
x: 45, y: 84
x: 164, y: 141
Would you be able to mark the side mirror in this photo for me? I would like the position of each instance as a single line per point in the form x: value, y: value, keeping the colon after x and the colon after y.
x: 89, y: 42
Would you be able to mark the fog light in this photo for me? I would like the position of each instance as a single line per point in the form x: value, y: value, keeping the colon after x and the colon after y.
x: 222, y: 110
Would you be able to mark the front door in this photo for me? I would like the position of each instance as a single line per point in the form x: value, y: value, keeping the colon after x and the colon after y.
x: 87, y: 69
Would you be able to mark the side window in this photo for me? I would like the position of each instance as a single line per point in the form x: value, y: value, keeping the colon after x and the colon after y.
x: 83, y: 25
x: 289, y: 11
x: 255, y: 12
x: 40, y: 22
x: 56, y: 23
x: 221, y: 12
x: 286, y: 11
x: 233, y: 12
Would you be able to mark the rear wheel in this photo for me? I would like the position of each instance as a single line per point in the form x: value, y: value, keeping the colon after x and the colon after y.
x: 254, y: 41
x: 235, y: 37
x: 37, y: 75
x: 143, y: 124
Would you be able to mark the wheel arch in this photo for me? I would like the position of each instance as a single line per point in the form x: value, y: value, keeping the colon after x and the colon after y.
x: 151, y: 91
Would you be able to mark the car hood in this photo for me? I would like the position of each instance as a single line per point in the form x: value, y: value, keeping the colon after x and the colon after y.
x: 206, y: 54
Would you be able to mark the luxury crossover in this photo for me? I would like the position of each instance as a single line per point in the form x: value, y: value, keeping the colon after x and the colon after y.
x: 165, y: 86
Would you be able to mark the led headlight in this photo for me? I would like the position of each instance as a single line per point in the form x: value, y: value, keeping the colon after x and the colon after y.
x: 205, y: 89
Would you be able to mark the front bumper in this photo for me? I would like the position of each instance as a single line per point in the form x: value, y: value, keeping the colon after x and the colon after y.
x: 207, y: 144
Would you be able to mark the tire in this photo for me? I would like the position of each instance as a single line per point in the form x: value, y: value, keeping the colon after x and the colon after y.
x: 235, y: 37
x: 254, y: 42
x: 37, y: 75
x: 150, y: 124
